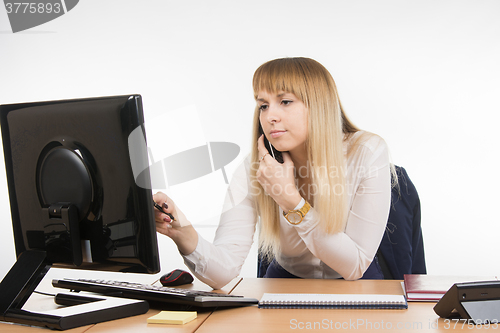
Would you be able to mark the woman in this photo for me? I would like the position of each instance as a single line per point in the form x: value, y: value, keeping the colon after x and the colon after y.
x: 322, y: 212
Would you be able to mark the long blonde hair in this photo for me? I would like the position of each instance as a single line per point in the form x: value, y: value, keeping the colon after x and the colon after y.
x: 328, y: 126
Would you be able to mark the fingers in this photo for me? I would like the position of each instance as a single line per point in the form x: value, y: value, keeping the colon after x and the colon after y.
x: 163, y: 227
x: 167, y: 215
x: 277, y: 179
x: 160, y: 198
x: 261, y: 147
x: 263, y: 152
x: 163, y: 204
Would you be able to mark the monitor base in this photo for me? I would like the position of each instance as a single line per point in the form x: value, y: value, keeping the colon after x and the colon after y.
x: 78, y: 310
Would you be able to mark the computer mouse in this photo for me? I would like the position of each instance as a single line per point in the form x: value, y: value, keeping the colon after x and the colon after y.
x: 176, y: 278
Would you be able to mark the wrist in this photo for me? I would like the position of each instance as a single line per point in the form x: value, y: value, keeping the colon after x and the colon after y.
x: 291, y: 202
x: 186, y: 240
x: 296, y: 216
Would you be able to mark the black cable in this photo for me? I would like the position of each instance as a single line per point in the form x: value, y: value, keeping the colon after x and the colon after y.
x: 44, y: 294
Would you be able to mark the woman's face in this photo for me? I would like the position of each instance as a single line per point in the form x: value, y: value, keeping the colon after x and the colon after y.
x: 284, y: 120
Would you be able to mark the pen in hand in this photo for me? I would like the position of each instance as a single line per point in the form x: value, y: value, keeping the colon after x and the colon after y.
x: 160, y: 208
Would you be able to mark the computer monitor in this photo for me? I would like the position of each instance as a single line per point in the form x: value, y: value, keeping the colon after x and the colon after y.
x: 73, y: 195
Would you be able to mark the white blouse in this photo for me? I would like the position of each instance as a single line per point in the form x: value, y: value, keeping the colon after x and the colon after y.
x: 306, y: 250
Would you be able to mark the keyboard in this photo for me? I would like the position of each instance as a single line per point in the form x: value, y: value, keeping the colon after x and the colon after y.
x: 154, y: 294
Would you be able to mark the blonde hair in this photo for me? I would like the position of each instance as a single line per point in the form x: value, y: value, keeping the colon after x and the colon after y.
x: 328, y: 126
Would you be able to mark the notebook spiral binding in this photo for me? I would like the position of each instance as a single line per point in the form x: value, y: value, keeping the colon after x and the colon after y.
x: 332, y: 301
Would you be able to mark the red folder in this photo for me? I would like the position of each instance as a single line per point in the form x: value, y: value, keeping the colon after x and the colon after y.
x: 430, y: 288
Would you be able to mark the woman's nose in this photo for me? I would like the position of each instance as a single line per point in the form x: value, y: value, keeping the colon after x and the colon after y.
x: 272, y: 114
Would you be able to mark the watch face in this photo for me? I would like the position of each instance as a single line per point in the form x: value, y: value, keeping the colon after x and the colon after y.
x: 294, y: 217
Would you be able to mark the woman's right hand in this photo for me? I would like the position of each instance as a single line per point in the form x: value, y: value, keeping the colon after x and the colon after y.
x: 179, y: 230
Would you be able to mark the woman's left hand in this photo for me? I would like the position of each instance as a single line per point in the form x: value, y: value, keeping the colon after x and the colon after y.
x: 278, y: 180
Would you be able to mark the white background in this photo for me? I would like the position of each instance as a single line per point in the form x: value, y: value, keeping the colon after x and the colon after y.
x: 423, y: 74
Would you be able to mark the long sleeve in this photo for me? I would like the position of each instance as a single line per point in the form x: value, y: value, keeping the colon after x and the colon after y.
x: 306, y: 250
x: 311, y: 253
x: 218, y: 263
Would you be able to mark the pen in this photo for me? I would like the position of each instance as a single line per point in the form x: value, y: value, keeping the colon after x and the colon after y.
x: 160, y: 208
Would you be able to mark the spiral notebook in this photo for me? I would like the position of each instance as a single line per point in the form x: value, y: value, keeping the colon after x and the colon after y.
x: 332, y: 301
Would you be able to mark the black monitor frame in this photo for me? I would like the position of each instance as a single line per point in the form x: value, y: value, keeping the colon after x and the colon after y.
x: 74, y: 199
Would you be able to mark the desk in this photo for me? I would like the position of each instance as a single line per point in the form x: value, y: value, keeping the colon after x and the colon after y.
x: 133, y: 324
x: 420, y: 316
x: 138, y: 324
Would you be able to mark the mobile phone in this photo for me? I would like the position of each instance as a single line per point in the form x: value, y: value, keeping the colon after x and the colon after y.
x: 276, y: 154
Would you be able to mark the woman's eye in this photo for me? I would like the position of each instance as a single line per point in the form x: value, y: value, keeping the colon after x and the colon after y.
x: 286, y: 102
x: 263, y: 107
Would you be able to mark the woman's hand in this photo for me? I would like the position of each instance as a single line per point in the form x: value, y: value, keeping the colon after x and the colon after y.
x: 277, y: 179
x: 180, y: 230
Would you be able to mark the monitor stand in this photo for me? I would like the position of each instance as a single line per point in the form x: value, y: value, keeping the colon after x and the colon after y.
x: 29, y: 270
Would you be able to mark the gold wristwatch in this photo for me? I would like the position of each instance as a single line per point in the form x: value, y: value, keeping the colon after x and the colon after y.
x: 296, y: 216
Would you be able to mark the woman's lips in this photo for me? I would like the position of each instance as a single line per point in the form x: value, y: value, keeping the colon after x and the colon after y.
x: 277, y: 134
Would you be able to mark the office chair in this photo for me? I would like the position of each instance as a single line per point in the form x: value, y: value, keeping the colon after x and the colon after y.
x: 401, y: 250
